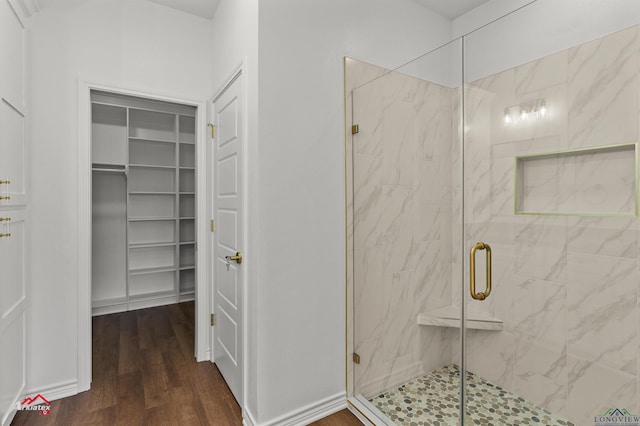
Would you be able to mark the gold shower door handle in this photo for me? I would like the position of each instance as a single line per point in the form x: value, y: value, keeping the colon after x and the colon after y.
x: 472, y: 274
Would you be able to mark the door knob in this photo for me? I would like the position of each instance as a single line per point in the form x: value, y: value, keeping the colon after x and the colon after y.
x: 237, y: 257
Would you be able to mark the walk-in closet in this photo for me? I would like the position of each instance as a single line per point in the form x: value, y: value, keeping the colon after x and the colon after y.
x: 143, y: 203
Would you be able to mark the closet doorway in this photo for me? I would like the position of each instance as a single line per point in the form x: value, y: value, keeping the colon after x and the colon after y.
x: 143, y: 203
x: 141, y: 199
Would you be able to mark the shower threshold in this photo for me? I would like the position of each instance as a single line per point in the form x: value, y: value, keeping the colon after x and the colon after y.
x: 433, y: 400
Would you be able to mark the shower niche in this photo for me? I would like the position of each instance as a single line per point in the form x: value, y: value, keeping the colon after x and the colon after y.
x: 597, y: 181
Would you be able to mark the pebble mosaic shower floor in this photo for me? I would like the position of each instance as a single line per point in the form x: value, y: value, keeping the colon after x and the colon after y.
x: 433, y: 400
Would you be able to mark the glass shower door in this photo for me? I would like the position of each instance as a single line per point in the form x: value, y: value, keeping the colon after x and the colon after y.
x: 551, y: 108
x: 403, y: 138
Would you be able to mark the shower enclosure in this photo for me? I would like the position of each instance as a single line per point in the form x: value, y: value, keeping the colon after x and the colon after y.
x: 492, y: 221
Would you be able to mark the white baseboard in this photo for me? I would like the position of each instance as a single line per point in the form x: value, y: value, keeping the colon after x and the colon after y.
x: 248, y: 419
x: 58, y: 391
x: 305, y: 415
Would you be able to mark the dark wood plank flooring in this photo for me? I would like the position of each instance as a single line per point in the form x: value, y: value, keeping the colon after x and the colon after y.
x: 341, y: 418
x: 145, y: 373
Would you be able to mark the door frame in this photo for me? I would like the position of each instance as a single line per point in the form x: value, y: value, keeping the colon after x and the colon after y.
x: 202, y: 344
x: 240, y: 72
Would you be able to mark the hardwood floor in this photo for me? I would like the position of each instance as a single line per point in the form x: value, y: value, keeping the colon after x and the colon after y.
x: 145, y: 373
x: 341, y: 418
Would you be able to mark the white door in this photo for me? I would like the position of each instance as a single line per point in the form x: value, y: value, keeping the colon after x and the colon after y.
x: 228, y: 235
x: 12, y: 312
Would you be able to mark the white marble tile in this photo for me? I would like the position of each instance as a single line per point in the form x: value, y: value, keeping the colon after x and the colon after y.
x: 397, y: 228
x: 491, y: 355
x: 435, y: 347
x: 605, y: 182
x: 539, y: 311
x: 432, y: 133
x: 594, y: 388
x: 369, y: 375
x: 603, y: 87
x: 398, y: 144
x: 541, y: 248
x: 537, y: 145
x: 368, y: 292
x: 541, y: 375
x: 368, y: 200
x: 477, y: 124
x: 543, y: 73
x: 400, y: 327
x: 502, y: 187
x: 604, y: 236
x: 478, y: 192
x: 432, y: 222
x: 432, y: 276
x: 432, y: 202
x: 602, y: 310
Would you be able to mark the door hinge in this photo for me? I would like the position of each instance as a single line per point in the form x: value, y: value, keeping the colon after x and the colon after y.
x: 356, y: 358
x: 213, y: 130
x: 355, y: 129
x: 213, y: 225
x: 213, y: 319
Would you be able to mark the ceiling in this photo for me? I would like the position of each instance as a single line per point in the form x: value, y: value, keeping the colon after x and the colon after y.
x: 203, y: 8
x: 451, y: 8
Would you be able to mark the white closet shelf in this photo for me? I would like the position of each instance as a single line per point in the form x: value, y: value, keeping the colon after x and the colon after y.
x: 187, y: 217
x: 187, y: 143
x: 151, y: 166
x: 449, y: 316
x: 187, y: 193
x: 187, y: 267
x: 115, y: 166
x: 187, y: 168
x: 152, y: 192
x: 108, y: 104
x: 184, y: 243
x: 151, y: 219
x: 147, y: 245
x: 156, y: 270
x: 134, y: 138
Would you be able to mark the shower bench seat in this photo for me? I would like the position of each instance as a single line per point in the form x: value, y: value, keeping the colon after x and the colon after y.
x: 449, y: 316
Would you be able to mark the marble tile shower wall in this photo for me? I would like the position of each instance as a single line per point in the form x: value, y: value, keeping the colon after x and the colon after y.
x: 401, y: 221
x: 566, y: 287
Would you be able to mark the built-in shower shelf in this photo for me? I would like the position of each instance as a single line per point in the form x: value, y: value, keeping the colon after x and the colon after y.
x: 449, y: 316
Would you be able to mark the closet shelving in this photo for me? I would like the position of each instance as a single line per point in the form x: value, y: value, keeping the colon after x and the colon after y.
x: 152, y: 148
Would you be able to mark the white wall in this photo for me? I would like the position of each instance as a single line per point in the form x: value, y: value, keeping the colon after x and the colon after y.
x: 235, y: 40
x: 132, y: 44
x: 301, y: 288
